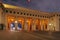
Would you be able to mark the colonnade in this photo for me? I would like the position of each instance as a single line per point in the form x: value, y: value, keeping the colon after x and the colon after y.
x: 27, y: 24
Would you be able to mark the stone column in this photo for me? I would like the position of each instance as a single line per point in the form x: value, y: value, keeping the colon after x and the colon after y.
x: 48, y: 26
x: 1, y: 16
x: 41, y: 26
x: 33, y: 25
x: 6, y: 22
x: 16, y: 25
x: 25, y: 25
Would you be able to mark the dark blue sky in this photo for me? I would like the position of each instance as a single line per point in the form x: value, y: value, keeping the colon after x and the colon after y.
x: 42, y: 5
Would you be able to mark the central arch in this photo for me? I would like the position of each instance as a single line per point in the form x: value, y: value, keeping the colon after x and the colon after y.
x: 11, y: 23
x: 20, y: 24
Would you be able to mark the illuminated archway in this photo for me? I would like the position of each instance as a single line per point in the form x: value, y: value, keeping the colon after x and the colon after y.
x: 29, y: 24
x: 10, y: 22
x: 20, y: 23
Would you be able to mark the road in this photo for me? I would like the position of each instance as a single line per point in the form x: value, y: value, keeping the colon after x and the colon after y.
x: 22, y: 35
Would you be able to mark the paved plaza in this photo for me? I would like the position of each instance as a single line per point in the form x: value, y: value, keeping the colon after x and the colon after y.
x: 22, y: 35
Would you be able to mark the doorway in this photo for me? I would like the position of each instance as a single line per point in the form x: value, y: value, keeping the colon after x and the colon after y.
x: 12, y: 26
x: 19, y: 27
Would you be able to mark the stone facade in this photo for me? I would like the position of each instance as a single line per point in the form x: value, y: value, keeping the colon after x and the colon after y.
x: 30, y: 20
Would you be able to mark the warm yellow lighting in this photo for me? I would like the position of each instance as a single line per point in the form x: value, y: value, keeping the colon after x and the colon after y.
x: 33, y: 21
x: 50, y: 24
x: 27, y: 21
x: 12, y: 19
x: 13, y: 7
x: 15, y: 21
x: 9, y: 6
x: 40, y: 23
x: 20, y: 20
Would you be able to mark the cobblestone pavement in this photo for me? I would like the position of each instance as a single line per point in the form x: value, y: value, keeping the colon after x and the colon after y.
x: 22, y: 35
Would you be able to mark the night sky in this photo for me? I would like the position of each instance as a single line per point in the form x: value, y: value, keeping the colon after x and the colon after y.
x: 42, y: 5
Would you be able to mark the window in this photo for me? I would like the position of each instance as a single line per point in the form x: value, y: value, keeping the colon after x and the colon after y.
x: 27, y: 14
x: 14, y: 12
x: 10, y: 11
x: 30, y: 14
x: 6, y: 10
x: 24, y: 13
x: 33, y: 14
x: 17, y: 12
x: 53, y: 15
x: 59, y: 15
x: 21, y: 13
x: 47, y: 17
x: 45, y: 26
x: 38, y: 15
x: 43, y: 16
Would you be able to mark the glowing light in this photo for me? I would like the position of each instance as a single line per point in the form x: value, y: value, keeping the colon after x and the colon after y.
x: 20, y: 20
x: 27, y: 21
x: 9, y: 6
x: 15, y: 21
x: 13, y: 7
x: 12, y: 19
x: 50, y: 24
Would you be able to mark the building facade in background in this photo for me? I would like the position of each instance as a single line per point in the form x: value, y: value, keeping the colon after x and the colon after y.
x: 19, y: 18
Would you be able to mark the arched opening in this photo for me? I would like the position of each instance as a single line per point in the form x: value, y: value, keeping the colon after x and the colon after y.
x: 12, y: 26
x: 19, y: 26
x: 44, y: 23
x: 38, y: 26
x: 29, y: 24
x: 20, y: 23
x: 10, y: 23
